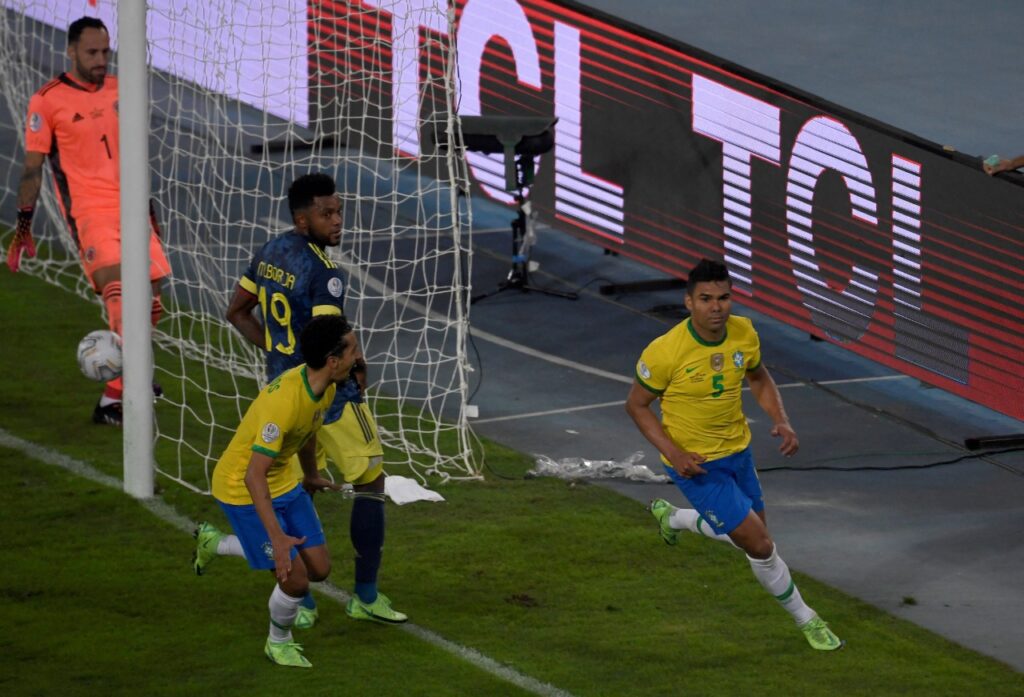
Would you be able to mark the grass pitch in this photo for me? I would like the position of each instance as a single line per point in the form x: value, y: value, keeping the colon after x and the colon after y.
x: 567, y: 584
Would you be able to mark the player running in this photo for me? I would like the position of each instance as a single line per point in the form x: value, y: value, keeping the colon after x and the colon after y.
x: 697, y: 371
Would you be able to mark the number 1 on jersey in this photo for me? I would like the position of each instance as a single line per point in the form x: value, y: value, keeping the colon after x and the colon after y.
x: 106, y: 144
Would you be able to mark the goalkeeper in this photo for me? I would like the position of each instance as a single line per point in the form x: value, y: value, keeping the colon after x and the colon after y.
x: 73, y: 120
x: 254, y: 480
x: 291, y: 280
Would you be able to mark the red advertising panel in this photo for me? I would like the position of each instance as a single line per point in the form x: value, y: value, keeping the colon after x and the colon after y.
x: 831, y: 222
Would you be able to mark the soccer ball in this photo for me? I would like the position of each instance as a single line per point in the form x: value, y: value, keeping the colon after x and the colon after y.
x: 99, y: 355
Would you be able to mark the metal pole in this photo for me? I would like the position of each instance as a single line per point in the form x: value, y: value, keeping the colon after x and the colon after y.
x: 133, y: 110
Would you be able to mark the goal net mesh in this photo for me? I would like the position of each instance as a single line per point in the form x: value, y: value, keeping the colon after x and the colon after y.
x: 247, y: 95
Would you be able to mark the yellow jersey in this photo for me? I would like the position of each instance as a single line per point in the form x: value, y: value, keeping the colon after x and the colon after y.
x: 278, y: 423
x: 699, y: 384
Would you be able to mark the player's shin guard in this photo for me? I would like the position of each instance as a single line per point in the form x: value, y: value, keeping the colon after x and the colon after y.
x: 774, y: 575
x: 367, y: 532
x: 283, y: 610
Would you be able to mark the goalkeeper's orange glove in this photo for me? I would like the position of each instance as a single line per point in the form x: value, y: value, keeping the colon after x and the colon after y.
x: 22, y: 241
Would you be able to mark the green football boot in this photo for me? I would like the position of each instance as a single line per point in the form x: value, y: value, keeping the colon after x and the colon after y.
x: 307, y: 617
x: 662, y: 510
x: 286, y: 653
x: 207, y: 539
x: 379, y: 610
x: 820, y: 637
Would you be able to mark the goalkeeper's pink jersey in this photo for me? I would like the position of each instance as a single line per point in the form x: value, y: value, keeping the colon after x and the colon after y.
x: 75, y: 124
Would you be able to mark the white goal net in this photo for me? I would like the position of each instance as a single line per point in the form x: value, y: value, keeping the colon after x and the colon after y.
x: 245, y: 96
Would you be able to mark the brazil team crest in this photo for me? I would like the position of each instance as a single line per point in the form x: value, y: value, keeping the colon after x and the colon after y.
x: 737, y: 359
x: 717, y: 362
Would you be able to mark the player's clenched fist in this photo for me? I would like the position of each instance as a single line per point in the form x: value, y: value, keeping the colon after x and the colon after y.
x: 22, y: 242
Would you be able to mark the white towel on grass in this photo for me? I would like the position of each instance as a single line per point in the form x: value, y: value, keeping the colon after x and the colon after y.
x: 403, y: 490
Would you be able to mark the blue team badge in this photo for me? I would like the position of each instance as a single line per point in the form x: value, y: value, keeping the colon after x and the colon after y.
x: 334, y: 287
x: 737, y: 359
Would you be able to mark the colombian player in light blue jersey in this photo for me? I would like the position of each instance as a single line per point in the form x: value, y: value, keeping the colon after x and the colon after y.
x: 290, y: 280
x: 255, y: 482
x: 697, y: 370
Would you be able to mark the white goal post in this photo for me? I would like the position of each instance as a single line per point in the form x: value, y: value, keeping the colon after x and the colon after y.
x: 244, y: 96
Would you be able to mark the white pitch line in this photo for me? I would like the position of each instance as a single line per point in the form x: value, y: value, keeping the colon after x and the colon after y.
x: 549, y: 412
x: 161, y: 510
x: 550, y: 358
x: 847, y: 381
x: 602, y: 405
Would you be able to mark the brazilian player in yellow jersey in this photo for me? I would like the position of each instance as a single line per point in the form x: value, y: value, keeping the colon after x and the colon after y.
x: 257, y: 486
x: 290, y: 280
x: 696, y: 370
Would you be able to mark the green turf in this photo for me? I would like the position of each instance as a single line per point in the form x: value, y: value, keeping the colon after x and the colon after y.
x: 568, y: 584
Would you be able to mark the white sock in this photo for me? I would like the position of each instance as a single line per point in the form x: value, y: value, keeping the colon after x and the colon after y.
x: 775, y: 577
x: 229, y: 546
x: 106, y: 401
x: 283, y: 611
x: 689, y: 519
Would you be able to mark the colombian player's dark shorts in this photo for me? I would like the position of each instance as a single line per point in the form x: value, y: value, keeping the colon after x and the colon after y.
x: 296, y: 516
x: 728, y: 491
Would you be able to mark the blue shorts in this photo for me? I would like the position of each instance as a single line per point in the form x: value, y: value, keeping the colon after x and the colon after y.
x: 726, y: 493
x: 296, y: 516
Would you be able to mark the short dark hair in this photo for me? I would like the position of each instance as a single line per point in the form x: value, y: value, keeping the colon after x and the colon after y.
x: 707, y: 270
x: 322, y: 338
x: 80, y: 25
x: 308, y: 187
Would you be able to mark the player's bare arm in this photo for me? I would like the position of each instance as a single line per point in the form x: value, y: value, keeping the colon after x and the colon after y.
x: 766, y: 392
x: 311, y: 479
x: 1005, y: 165
x: 638, y: 406
x: 31, y: 179
x: 240, y: 315
x: 259, y: 490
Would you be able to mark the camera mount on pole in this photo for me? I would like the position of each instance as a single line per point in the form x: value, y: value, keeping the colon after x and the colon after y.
x: 519, y: 139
